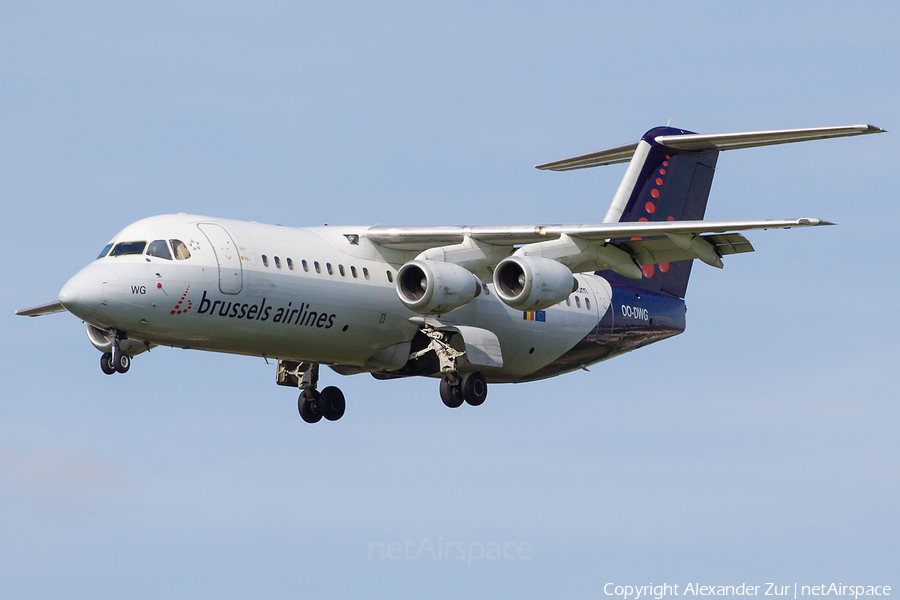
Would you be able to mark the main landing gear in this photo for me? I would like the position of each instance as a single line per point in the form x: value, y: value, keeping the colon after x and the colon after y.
x: 312, y: 404
x: 328, y: 403
x: 470, y: 387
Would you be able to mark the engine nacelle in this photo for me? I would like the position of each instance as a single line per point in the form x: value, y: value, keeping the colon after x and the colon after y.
x: 102, y: 341
x: 432, y: 288
x: 531, y: 283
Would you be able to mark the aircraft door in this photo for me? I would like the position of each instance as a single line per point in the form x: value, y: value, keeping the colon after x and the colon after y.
x: 231, y: 275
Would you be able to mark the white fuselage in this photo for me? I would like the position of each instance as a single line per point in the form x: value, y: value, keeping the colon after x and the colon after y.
x: 324, y: 295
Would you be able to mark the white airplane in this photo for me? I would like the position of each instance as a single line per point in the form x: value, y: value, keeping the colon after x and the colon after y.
x: 468, y: 305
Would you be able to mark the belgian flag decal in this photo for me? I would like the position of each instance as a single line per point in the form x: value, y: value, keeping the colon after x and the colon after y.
x: 535, y: 315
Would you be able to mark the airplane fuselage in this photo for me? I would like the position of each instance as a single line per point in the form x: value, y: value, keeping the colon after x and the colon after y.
x: 327, y: 295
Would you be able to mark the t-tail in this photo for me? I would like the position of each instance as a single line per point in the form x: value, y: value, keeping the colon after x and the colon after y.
x: 669, y: 177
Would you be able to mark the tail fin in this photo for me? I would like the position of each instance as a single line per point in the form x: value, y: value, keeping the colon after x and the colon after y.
x: 671, y: 185
x: 669, y: 177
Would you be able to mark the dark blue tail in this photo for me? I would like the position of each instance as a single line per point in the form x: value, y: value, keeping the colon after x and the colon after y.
x: 673, y: 185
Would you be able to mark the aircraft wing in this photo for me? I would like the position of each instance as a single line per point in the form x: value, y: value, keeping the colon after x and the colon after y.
x: 42, y: 309
x: 423, y: 238
x: 623, y: 247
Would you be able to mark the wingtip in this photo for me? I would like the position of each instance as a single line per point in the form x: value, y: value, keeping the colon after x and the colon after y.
x: 814, y: 222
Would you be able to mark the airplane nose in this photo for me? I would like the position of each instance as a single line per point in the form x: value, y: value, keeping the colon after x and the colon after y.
x: 82, y: 295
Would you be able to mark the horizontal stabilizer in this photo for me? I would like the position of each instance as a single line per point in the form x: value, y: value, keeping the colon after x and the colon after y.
x: 715, y: 141
x: 610, y: 156
x: 43, y: 309
x: 751, y: 139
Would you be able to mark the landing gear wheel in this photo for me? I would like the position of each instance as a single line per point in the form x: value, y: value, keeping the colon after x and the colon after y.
x: 106, y: 363
x: 451, y: 395
x: 308, y: 405
x: 331, y: 403
x: 122, y: 362
x: 474, y: 388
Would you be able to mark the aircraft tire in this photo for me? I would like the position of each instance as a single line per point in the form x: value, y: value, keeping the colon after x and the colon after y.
x: 308, y: 406
x: 331, y: 402
x: 106, y: 363
x: 451, y: 394
x: 474, y: 388
x: 121, y: 362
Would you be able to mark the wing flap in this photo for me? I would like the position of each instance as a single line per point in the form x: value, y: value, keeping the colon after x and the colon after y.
x: 664, y: 250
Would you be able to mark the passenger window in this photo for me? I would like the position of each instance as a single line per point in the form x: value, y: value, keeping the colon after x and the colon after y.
x: 328, y: 266
x: 305, y: 265
x: 159, y: 249
x: 316, y: 265
x: 181, y: 251
x: 126, y: 248
x: 105, y: 250
x: 265, y: 260
x: 290, y: 264
x: 390, y: 277
x: 277, y: 262
x: 353, y: 271
x: 365, y: 273
x: 577, y: 301
x: 587, y: 304
x: 341, y: 269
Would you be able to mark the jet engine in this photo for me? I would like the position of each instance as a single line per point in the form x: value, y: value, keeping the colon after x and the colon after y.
x: 102, y: 341
x: 431, y: 287
x: 532, y: 283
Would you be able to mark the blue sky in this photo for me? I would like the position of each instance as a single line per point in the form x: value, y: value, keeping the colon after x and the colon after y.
x: 758, y: 446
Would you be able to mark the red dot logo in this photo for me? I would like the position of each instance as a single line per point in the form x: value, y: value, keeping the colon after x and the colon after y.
x: 659, y: 181
x: 664, y: 267
x: 651, y: 208
x: 643, y: 219
x: 665, y: 163
x: 178, y: 310
x: 662, y: 171
x: 655, y: 193
x: 670, y: 218
x: 648, y: 271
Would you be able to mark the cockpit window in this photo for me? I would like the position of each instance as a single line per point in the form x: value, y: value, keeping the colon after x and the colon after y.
x: 123, y: 248
x: 105, y: 250
x: 181, y: 251
x: 159, y: 249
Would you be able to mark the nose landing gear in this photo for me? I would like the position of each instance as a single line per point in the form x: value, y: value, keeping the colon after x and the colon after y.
x: 106, y: 363
x: 117, y: 361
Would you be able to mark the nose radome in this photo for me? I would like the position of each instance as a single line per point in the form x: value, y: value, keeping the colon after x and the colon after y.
x: 83, y: 294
